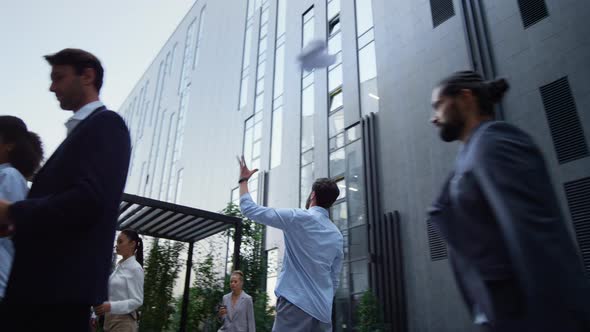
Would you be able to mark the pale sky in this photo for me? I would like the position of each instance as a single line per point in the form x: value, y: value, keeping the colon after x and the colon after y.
x: 125, y: 35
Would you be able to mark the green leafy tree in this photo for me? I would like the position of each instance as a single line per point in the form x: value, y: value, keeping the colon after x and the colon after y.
x: 204, y: 295
x: 161, y: 271
x: 368, y: 314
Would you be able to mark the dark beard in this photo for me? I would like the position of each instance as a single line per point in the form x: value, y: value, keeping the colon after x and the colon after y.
x: 451, y: 131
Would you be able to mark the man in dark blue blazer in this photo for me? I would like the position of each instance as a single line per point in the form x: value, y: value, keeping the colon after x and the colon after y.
x: 64, y: 230
x: 515, y: 262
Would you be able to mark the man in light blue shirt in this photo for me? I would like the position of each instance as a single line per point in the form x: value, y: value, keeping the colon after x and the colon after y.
x: 313, y: 255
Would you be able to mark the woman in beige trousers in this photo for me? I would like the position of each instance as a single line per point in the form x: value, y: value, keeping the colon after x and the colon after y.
x: 125, y: 286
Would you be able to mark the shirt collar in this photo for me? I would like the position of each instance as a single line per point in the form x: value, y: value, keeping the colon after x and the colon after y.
x: 5, y: 165
x: 86, y: 110
x: 82, y: 114
x: 320, y: 210
x: 128, y: 261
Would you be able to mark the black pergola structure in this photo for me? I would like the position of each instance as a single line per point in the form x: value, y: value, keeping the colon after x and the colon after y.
x: 179, y: 223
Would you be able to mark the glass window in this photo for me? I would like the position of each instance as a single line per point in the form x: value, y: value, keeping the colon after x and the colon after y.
x: 342, y: 186
x: 308, y: 15
x: 278, y: 102
x: 353, y: 133
x: 336, y: 142
x: 364, y: 16
x: 307, y: 102
x: 336, y: 100
x: 255, y: 163
x: 337, y: 165
x: 262, y: 46
x: 339, y: 215
x: 251, y: 4
x: 185, y: 76
x: 342, y: 305
x: 247, y: 47
x: 258, y: 131
x: 256, y: 150
x: 199, y: 37
x: 334, y: 26
x: 259, y: 104
x: 335, y: 43
x: 367, y: 65
x: 248, y: 146
x: 263, y: 30
x: 307, y: 176
x: 281, y: 17
x: 359, y: 274
x: 279, y: 83
x: 307, y: 118
x: 333, y: 8
x: 253, y: 184
x: 259, y: 88
x: 308, y: 27
x: 343, y: 287
x: 336, y: 123
x: 335, y: 78
x: 366, y: 38
x: 307, y: 157
x: 244, y: 92
x: 307, y: 135
x: 257, y: 117
x: 368, y: 80
x: 261, y: 70
x: 307, y: 79
x: 358, y: 242
x: 277, y: 137
x: 235, y: 196
x: 179, y: 181
x: 264, y: 16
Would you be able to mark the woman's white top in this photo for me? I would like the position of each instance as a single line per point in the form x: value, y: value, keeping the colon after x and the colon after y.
x: 126, y: 287
x: 13, y: 187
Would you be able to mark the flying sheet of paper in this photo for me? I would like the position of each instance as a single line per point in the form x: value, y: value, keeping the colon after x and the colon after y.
x: 315, y: 55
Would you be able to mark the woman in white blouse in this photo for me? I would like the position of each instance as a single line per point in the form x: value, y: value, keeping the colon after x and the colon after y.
x: 125, y: 285
x: 21, y: 153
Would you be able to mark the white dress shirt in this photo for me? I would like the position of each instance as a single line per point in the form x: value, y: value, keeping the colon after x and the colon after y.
x: 82, y: 114
x: 126, y: 287
x: 13, y: 187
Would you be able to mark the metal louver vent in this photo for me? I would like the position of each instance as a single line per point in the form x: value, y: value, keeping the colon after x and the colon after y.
x: 532, y: 11
x: 564, y: 123
x: 578, y: 199
x: 441, y: 10
x: 438, y: 248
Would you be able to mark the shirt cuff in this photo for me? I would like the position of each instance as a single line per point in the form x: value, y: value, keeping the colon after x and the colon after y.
x: 118, y: 308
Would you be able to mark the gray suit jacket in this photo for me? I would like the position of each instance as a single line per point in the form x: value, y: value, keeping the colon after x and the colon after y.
x: 241, y: 317
x: 509, y: 247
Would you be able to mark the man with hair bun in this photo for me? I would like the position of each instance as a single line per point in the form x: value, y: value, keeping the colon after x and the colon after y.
x: 515, y: 262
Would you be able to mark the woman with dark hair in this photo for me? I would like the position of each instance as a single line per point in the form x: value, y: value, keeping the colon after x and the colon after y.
x: 125, y: 285
x: 21, y: 153
x: 237, y: 310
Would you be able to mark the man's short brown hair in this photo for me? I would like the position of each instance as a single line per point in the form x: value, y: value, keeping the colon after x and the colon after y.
x: 326, y: 192
x: 80, y: 60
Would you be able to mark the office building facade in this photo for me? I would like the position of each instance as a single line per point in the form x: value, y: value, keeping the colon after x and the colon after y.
x: 227, y: 83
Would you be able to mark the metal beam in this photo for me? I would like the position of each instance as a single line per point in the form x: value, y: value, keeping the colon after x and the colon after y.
x: 187, y: 284
x: 237, y: 245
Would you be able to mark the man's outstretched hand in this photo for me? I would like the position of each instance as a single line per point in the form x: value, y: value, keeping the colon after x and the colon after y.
x: 245, y: 173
